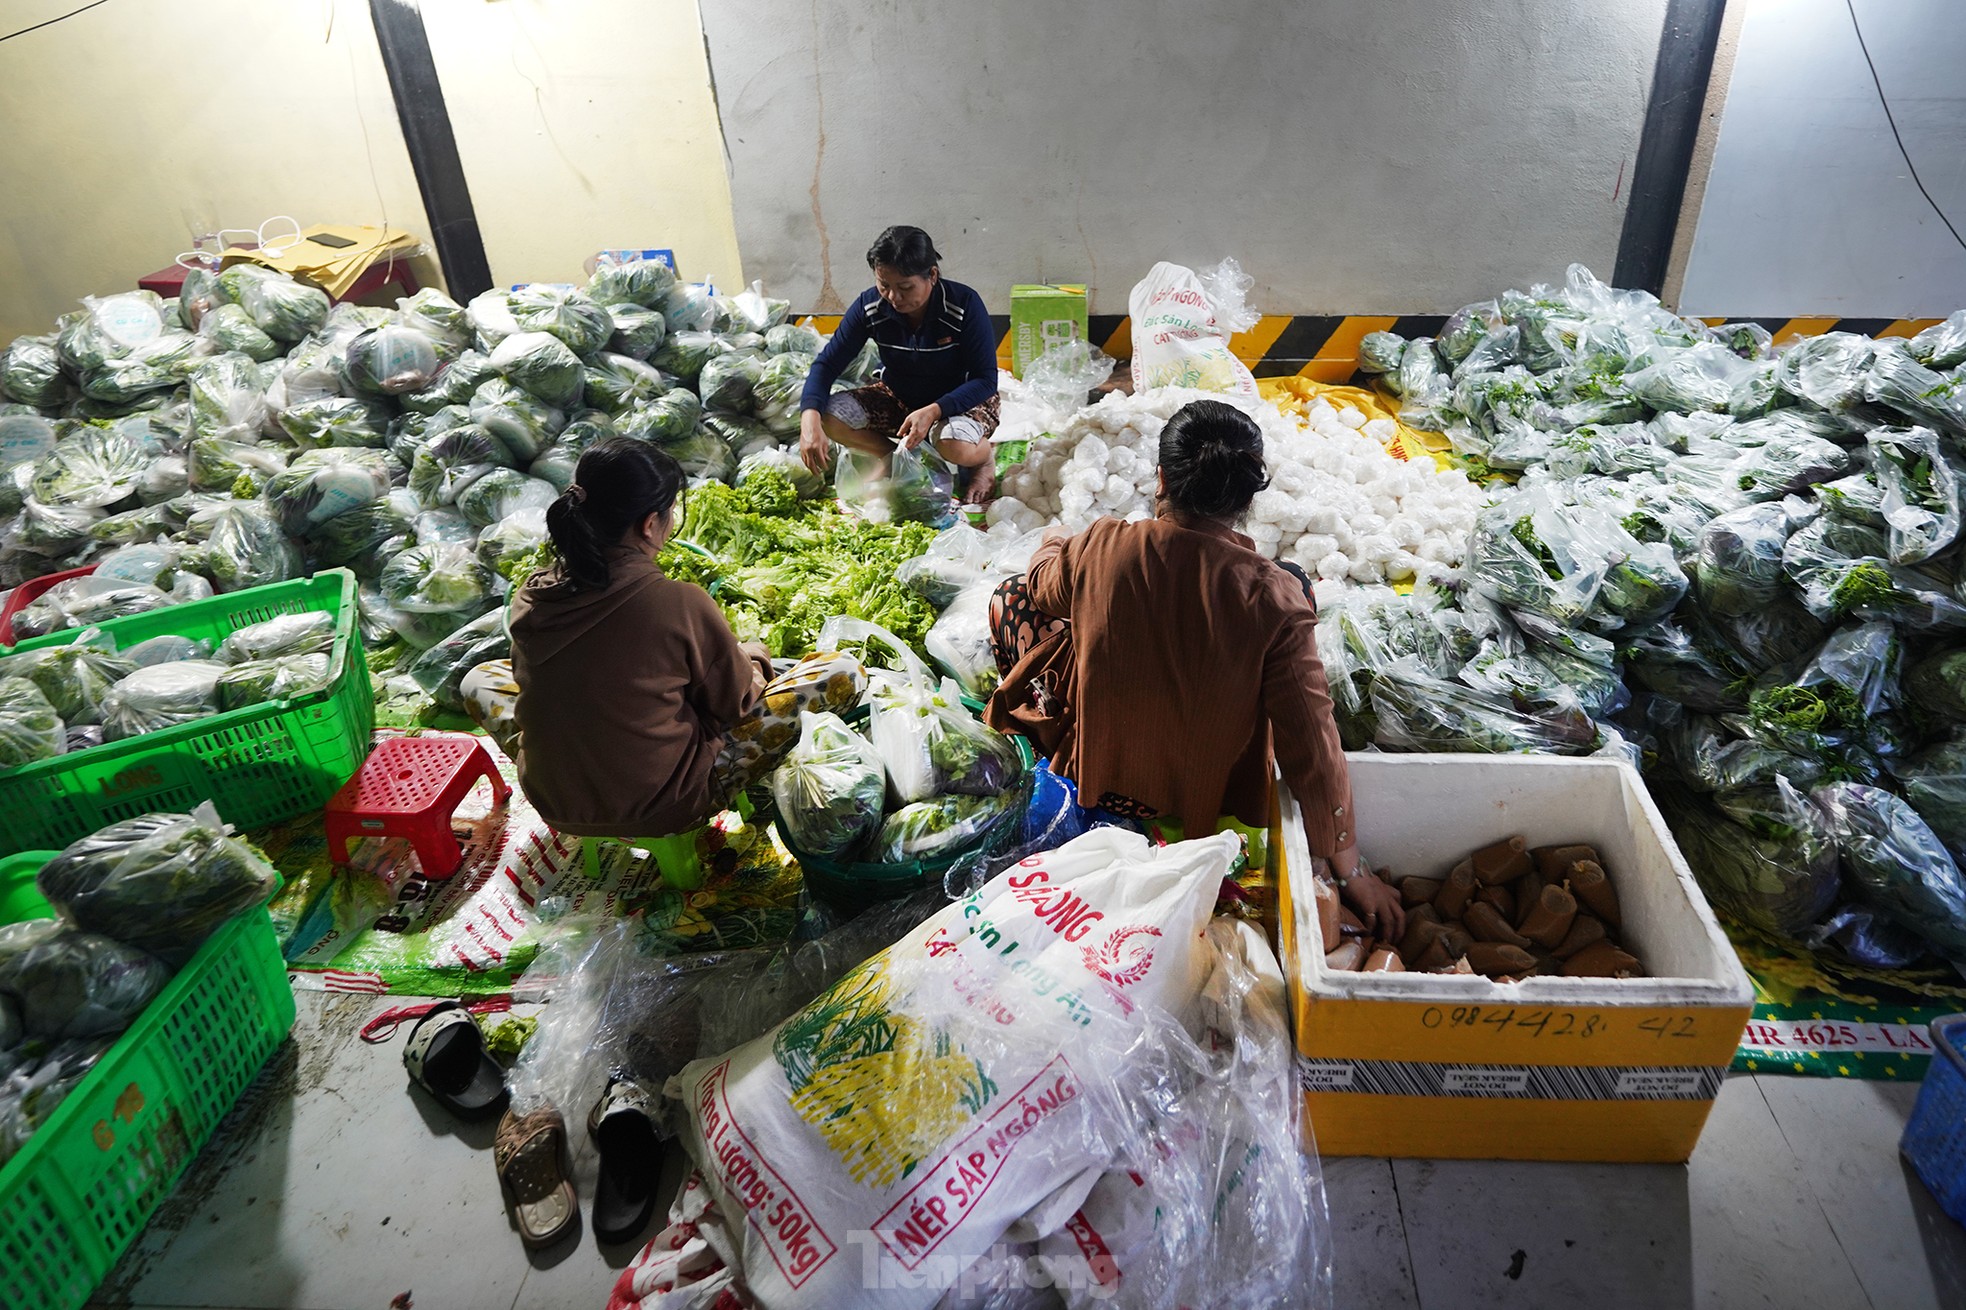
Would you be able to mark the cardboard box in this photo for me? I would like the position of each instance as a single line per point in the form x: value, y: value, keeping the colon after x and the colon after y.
x: 1411, y: 1064
x: 1042, y: 316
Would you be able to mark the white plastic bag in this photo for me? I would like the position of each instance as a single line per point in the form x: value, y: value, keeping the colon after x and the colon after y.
x: 1181, y: 329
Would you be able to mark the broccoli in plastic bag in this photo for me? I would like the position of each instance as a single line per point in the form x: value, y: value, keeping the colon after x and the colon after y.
x: 30, y: 729
x: 445, y: 579
x: 1897, y: 863
x: 830, y: 789
x: 161, y: 696
x: 162, y: 883
x: 73, y: 983
x: 943, y: 825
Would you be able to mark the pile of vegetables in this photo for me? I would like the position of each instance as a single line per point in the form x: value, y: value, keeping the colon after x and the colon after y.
x: 1738, y: 565
x: 134, y: 902
x: 249, y: 432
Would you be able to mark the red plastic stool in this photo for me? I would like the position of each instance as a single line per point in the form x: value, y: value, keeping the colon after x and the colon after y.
x: 410, y: 787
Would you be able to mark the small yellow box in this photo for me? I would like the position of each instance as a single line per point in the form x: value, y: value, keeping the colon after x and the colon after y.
x: 1433, y: 1065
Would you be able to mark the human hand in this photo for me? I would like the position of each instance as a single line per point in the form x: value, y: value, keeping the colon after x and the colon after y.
x: 915, y: 428
x: 813, y: 442
x: 1376, y: 904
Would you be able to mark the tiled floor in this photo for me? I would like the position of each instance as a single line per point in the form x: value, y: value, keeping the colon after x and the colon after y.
x: 337, y: 1189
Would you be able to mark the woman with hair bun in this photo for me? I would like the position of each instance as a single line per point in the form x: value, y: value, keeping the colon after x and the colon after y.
x: 1164, y: 664
x: 631, y: 707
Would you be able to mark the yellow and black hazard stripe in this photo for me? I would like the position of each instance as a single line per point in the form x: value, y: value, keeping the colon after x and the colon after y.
x: 1324, y: 347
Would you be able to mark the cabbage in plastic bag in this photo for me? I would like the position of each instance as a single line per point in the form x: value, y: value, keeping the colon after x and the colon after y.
x: 446, y: 579
x: 454, y: 385
x: 161, y: 696
x: 162, y: 883
x: 830, y: 789
x: 556, y: 464
x: 540, y: 364
x: 72, y: 983
x: 779, y: 390
x: 727, y: 382
x: 439, y: 318
x: 158, y: 365
x: 443, y: 470
x: 30, y: 729
x: 321, y: 484
x: 512, y: 541
x: 242, y: 547
x: 503, y: 492
x: 283, y: 308
x: 703, y: 454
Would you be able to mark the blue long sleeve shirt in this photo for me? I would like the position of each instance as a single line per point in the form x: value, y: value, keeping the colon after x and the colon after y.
x: 951, y: 360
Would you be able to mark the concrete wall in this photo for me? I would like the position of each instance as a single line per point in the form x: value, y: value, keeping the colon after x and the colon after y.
x: 1394, y: 156
x: 1809, y: 208
x: 580, y: 126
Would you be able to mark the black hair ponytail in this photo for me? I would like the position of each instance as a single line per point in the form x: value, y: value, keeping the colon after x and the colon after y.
x: 1211, y: 458
x: 617, y: 484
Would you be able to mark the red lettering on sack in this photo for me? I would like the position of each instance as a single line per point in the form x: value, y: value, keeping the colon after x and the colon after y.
x: 794, y: 1239
x: 1105, y: 1270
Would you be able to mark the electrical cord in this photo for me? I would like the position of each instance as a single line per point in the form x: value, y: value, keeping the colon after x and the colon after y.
x: 1892, y: 120
x: 275, y: 245
x: 52, y: 21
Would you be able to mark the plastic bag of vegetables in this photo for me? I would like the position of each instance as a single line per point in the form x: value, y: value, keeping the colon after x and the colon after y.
x: 321, y: 484
x: 690, y: 307
x: 556, y: 464
x: 513, y: 542
x: 228, y: 398
x: 778, y: 390
x: 944, y: 825
x: 231, y: 328
x: 454, y: 384
x: 1781, y: 879
x: 645, y: 282
x: 684, y: 354
x: 1415, y: 711
x: 751, y: 310
x: 30, y: 372
x: 570, y: 315
x: 668, y: 418
x: 519, y: 419
x: 959, y: 641
x: 392, y: 360
x: 310, y: 633
x: 541, y: 364
x: 727, y: 382
x: 446, y: 467
x: 1877, y: 589
x: 80, y: 602
x: 918, y: 486
x: 959, y: 557
x: 703, y: 455
x: 30, y: 729
x: 161, y: 696
x: 287, y: 677
x: 440, y: 670
x: 446, y: 579
x: 283, y: 308
x: 1897, y: 864
x: 73, y: 983
x: 439, y: 318
x: 793, y: 339
x: 744, y: 435
x: 95, y: 467
x: 74, y: 677
x: 930, y: 743
x: 1738, y: 565
x: 162, y: 883
x: 615, y: 382
x: 242, y: 546
x: 501, y: 493
x: 783, y: 460
x: 1827, y: 371
x: 1921, y: 492
x: 336, y: 421
x: 1934, y: 781
x: 1901, y: 382
x: 830, y: 789
x: 638, y: 331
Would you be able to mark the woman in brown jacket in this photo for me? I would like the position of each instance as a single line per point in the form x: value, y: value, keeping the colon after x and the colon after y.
x: 638, y: 712
x: 1165, y: 663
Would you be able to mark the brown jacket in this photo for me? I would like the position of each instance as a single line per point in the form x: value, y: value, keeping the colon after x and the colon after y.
x: 1190, y: 653
x: 624, y: 697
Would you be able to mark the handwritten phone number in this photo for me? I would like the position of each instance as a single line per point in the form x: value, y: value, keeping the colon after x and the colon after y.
x: 1545, y: 1022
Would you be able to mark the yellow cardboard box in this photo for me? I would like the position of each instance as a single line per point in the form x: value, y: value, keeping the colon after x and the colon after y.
x: 1411, y: 1064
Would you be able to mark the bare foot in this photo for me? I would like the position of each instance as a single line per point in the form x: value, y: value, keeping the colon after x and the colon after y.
x: 982, y: 483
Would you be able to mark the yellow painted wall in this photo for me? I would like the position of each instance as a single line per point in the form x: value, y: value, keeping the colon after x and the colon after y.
x: 122, y: 135
x: 585, y: 125
x: 580, y: 123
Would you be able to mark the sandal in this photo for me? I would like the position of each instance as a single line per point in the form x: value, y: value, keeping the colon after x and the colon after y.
x: 446, y: 1057
x: 530, y: 1151
x: 631, y: 1161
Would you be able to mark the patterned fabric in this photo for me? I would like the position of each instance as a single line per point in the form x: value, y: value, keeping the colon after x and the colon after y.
x: 875, y: 409
x: 1016, y: 625
x: 752, y: 749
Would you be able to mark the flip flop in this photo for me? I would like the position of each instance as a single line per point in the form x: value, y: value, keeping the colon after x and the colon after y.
x: 446, y: 1056
x: 530, y: 1152
x: 631, y: 1161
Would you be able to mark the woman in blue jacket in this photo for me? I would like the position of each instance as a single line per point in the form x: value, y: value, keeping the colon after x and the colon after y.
x: 938, y: 378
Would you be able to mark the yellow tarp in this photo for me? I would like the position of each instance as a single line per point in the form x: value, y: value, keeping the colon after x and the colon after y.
x: 332, y: 268
x: 1293, y: 395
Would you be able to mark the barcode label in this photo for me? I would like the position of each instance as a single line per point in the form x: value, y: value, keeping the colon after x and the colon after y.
x: 1546, y: 1082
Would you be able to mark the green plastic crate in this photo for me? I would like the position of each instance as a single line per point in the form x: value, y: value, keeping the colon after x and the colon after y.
x: 259, y: 765
x: 84, y: 1186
